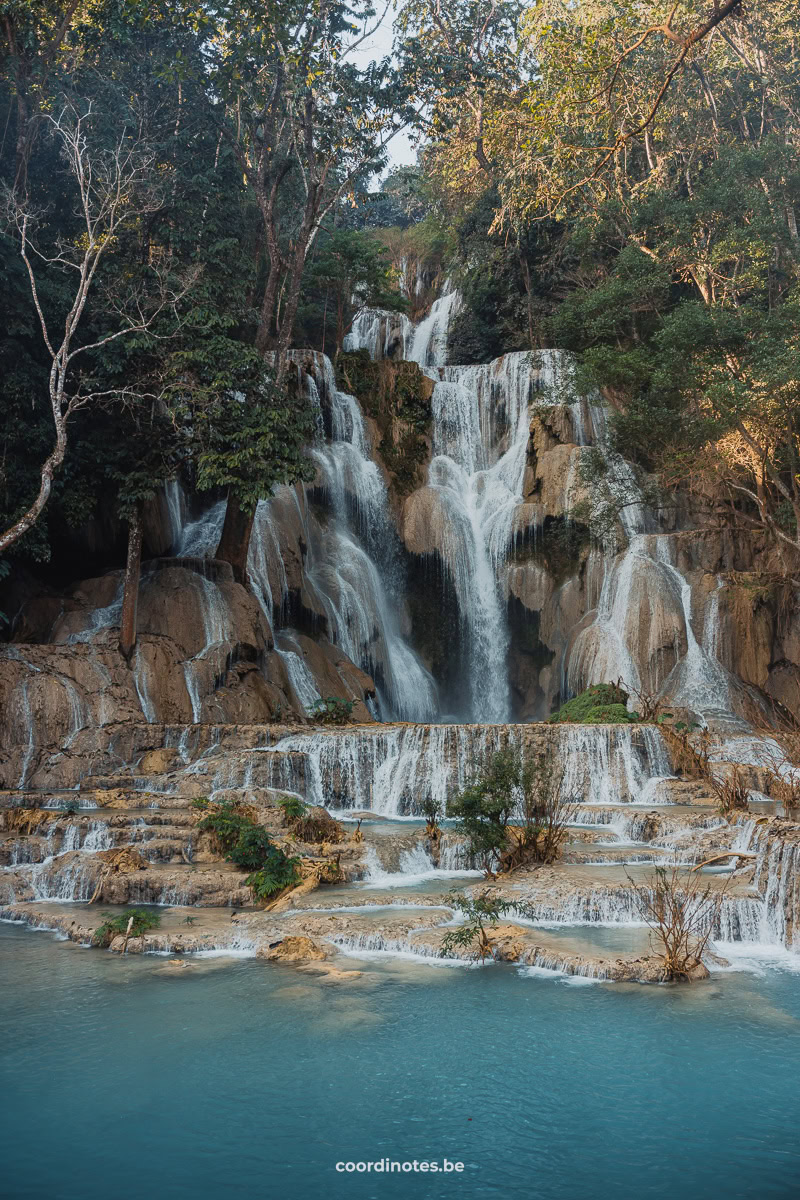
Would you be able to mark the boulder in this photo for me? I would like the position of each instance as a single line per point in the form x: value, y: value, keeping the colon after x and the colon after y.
x: 293, y: 950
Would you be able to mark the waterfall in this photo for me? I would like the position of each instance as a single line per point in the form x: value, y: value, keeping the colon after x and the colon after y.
x: 645, y: 609
x: 200, y: 537
x: 141, y: 682
x: 481, y: 428
x: 428, y: 342
x: 414, y: 866
x: 216, y: 630
x: 699, y: 681
x: 173, y: 494
x: 30, y: 723
x: 107, y: 617
x: 353, y: 566
x: 300, y: 676
x: 613, y: 764
x: 394, y: 771
x: 391, y: 772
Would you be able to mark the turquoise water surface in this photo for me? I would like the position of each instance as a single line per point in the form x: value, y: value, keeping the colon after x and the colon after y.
x: 129, y: 1078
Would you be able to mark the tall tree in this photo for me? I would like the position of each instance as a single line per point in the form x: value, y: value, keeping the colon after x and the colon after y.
x: 305, y: 123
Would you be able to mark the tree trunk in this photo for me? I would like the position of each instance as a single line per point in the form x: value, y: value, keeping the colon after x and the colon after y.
x: 130, y: 597
x: 234, y: 543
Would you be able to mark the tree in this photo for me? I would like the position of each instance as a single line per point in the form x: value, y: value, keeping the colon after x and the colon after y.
x: 509, y: 784
x: 546, y: 815
x: 479, y: 914
x: 485, y: 806
x: 659, y: 143
x: 35, y: 39
x: 113, y: 186
x: 352, y: 273
x: 305, y: 123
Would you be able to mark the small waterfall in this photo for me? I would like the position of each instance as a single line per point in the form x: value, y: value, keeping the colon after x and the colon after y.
x: 613, y: 764
x: 300, y: 676
x: 265, y: 563
x: 98, y: 837
x: 777, y: 877
x: 200, y: 537
x: 428, y: 343
x: 393, y: 771
x: 699, y: 681
x: 414, y: 865
x: 73, y: 881
x: 217, y: 632
x: 107, y: 617
x: 173, y: 494
x: 30, y: 749
x: 381, y: 334
x: 141, y: 682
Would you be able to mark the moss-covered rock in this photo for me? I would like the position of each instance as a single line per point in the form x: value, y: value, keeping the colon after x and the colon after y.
x: 602, y: 704
x: 397, y: 397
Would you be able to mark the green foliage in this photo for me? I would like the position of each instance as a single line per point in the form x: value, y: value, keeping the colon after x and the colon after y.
x: 479, y: 912
x: 431, y: 811
x: 293, y: 807
x: 601, y: 704
x: 397, y: 395
x: 485, y: 806
x: 277, y: 873
x: 250, y: 443
x: 114, y: 925
x: 350, y: 271
x: 250, y: 848
x: 333, y: 710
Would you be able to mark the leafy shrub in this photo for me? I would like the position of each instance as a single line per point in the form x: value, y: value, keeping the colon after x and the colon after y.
x: 484, y: 807
x: 226, y: 825
x: 331, y: 711
x: 432, y: 812
x: 276, y: 873
x: 601, y: 704
x: 293, y: 807
x: 142, y: 921
x: 250, y: 848
x: 478, y: 912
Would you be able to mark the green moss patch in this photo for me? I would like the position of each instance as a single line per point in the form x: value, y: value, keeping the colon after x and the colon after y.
x: 602, y: 704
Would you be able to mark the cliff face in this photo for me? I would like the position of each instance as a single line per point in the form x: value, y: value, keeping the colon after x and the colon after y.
x: 440, y: 565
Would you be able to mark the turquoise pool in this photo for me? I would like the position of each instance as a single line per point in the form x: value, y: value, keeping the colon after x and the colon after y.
x: 129, y: 1078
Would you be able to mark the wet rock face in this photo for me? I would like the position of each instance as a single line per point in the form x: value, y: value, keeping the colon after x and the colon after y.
x: 204, y: 652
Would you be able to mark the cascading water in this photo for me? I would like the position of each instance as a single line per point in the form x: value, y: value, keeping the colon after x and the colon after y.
x: 475, y: 485
x: 351, y: 567
x: 393, y: 772
x: 643, y: 618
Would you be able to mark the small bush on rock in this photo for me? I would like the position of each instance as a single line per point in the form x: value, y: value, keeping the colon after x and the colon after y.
x: 277, y: 873
x: 478, y: 912
x: 293, y: 807
x: 142, y: 921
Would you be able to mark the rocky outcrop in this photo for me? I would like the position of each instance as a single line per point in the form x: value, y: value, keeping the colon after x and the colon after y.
x: 205, y: 652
